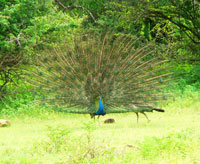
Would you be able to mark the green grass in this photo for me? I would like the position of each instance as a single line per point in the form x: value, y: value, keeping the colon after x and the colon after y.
x: 38, y: 135
x: 168, y: 138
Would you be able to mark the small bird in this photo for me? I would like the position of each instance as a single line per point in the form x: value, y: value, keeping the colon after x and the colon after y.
x: 109, y: 121
x: 98, y: 74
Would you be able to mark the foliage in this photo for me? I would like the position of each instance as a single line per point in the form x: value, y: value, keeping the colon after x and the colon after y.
x: 171, y: 22
x: 58, y: 138
x: 17, y: 16
x: 191, y: 73
x: 178, y: 22
x: 26, y: 27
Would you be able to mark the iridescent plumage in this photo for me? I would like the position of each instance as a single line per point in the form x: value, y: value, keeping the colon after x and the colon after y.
x: 124, y: 71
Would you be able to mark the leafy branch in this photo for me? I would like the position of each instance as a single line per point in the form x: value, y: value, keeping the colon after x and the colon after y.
x: 71, y: 7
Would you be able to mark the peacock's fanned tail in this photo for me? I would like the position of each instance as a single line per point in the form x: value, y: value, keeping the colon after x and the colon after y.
x: 126, y: 72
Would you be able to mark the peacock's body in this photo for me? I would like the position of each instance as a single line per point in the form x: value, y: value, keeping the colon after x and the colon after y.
x: 101, y: 74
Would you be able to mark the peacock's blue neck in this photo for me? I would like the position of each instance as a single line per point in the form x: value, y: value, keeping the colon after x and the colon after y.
x: 100, y: 110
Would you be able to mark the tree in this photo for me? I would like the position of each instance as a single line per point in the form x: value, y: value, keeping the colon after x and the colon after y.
x: 25, y: 27
x: 183, y: 16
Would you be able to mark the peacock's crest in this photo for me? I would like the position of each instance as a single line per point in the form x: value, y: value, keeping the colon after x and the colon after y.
x: 124, y: 71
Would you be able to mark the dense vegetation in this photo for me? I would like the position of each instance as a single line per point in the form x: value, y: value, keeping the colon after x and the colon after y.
x: 27, y: 27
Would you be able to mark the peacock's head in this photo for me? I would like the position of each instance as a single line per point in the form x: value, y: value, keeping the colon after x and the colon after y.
x: 97, y: 100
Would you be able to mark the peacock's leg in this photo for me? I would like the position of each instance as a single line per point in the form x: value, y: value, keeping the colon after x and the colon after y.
x: 98, y: 116
x: 137, y: 116
x: 92, y: 115
x: 145, y: 116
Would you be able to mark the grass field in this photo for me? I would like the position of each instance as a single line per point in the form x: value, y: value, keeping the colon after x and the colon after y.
x: 172, y: 137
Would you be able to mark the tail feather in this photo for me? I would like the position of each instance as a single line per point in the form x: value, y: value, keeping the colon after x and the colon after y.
x: 122, y: 69
x: 159, y: 110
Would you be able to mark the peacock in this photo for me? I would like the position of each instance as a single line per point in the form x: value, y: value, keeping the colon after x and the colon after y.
x: 103, y: 73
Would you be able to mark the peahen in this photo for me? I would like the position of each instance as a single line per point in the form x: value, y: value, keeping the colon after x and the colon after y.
x: 100, y: 74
